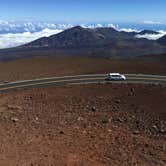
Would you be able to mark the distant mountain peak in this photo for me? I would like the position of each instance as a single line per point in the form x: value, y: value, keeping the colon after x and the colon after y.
x: 78, y: 27
x: 148, y: 32
x: 79, y: 37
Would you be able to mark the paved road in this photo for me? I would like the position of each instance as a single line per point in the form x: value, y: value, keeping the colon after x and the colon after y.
x: 81, y: 79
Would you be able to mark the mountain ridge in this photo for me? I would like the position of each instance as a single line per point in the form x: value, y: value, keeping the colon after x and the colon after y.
x: 162, y: 40
x: 85, y: 36
x: 106, y: 42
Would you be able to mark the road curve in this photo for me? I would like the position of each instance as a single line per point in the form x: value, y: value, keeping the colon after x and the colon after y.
x: 81, y: 79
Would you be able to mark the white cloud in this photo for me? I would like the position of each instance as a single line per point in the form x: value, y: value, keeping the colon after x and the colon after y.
x: 17, y: 27
x: 92, y: 25
x: 12, y: 40
x: 162, y: 32
x: 99, y: 25
x: 152, y: 36
x: 153, y: 22
x: 122, y: 29
x: 129, y: 30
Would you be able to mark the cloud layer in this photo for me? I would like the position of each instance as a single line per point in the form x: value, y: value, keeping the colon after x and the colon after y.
x: 153, y: 22
x: 20, y: 27
x: 16, y: 39
x: 152, y: 36
x: 14, y: 34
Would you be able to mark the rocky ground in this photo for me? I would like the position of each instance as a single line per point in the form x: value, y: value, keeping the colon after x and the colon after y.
x: 101, y: 125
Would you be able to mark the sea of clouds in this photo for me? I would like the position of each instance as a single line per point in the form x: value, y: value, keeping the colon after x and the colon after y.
x: 16, y: 39
x: 14, y: 33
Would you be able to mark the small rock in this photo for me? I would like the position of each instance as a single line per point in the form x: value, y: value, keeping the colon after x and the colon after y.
x: 80, y: 118
x: 155, y: 127
x: 61, y: 132
x: 162, y: 130
x: 115, y: 108
x: 93, y: 109
x: 104, y: 121
x: 87, y: 106
x: 132, y: 90
x: 133, y: 117
x: 109, y: 130
x: 36, y: 118
x: 110, y: 120
x: 14, y: 119
x: 92, y: 136
x: 136, y: 132
x: 146, y: 145
x: 118, y: 101
x: 120, y: 120
x: 27, y: 97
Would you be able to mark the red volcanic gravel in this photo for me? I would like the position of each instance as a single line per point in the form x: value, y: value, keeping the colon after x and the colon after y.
x: 89, y: 125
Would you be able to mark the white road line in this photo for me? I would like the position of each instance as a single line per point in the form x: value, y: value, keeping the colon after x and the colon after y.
x: 87, y: 75
x: 76, y: 79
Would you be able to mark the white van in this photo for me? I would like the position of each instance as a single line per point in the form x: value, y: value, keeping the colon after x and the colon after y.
x: 115, y: 77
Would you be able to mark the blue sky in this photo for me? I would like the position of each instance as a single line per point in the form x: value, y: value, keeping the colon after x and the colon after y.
x: 76, y: 11
x: 22, y: 21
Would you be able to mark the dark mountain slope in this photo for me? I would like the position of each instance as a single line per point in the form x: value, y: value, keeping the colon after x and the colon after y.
x: 162, y: 40
x: 106, y: 42
x: 147, y: 32
x: 79, y: 37
x: 74, y: 37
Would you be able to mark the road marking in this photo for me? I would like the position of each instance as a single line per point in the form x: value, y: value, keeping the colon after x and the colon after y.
x: 70, y: 80
x: 60, y: 77
x: 147, y: 78
x: 115, y: 82
x: 86, y: 75
x: 49, y: 82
